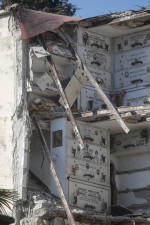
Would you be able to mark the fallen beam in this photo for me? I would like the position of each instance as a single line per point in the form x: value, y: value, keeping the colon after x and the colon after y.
x: 123, y: 109
x: 128, y: 114
x: 106, y: 100
x: 64, y: 98
x: 133, y: 108
x: 52, y: 168
x: 97, y: 87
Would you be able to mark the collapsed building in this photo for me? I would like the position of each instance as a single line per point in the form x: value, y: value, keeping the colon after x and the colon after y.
x: 75, y: 116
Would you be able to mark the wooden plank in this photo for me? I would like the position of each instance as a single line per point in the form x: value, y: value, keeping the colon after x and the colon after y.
x: 137, y: 109
x: 128, y: 114
x: 133, y: 108
x: 98, y: 88
x: 64, y: 98
x: 106, y: 100
x: 103, y: 112
x: 52, y: 168
x: 87, y: 114
x: 143, y: 111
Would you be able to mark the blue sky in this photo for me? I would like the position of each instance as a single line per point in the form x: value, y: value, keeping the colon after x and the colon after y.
x: 90, y: 8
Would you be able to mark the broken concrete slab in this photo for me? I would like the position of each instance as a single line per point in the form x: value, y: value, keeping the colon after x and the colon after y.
x: 45, y: 81
x: 74, y: 87
x: 40, y: 51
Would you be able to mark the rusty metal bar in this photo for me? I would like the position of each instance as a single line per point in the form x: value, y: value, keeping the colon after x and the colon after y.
x: 97, y: 87
x: 52, y: 168
x: 62, y: 93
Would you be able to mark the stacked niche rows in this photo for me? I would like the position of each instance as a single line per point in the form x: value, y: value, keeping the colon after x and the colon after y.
x: 131, y: 154
x: 95, y: 52
x: 131, y: 69
x: 84, y: 174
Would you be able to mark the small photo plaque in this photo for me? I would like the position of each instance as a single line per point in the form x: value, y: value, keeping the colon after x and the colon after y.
x: 57, y: 138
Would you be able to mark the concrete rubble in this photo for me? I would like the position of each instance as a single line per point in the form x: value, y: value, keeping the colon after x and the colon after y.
x: 47, y: 209
x: 85, y: 91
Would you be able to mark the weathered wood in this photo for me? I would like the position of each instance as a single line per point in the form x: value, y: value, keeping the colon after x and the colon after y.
x: 142, y: 111
x: 103, y: 112
x: 64, y: 98
x: 106, y: 100
x: 139, y: 110
x: 98, y: 88
x: 128, y: 114
x: 98, y: 112
x: 87, y: 114
x: 130, y: 120
x: 133, y: 108
x: 52, y: 168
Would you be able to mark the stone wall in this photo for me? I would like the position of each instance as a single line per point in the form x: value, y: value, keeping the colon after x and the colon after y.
x: 7, y: 79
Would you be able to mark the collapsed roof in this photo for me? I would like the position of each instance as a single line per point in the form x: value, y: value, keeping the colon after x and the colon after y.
x: 33, y: 22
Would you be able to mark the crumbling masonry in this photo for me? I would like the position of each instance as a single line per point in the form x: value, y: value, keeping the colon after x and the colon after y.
x: 75, y: 116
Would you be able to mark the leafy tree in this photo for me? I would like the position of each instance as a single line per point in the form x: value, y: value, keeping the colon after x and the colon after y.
x: 62, y: 7
x: 7, y: 197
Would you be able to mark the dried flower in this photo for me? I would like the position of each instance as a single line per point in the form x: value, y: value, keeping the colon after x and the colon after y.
x: 117, y: 97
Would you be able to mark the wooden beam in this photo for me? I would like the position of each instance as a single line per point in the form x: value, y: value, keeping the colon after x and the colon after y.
x: 124, y: 109
x: 142, y: 111
x: 133, y: 108
x: 87, y: 114
x: 128, y: 114
x: 64, y: 98
x: 104, y: 97
x: 98, y: 88
x: 52, y: 168
x: 103, y: 112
